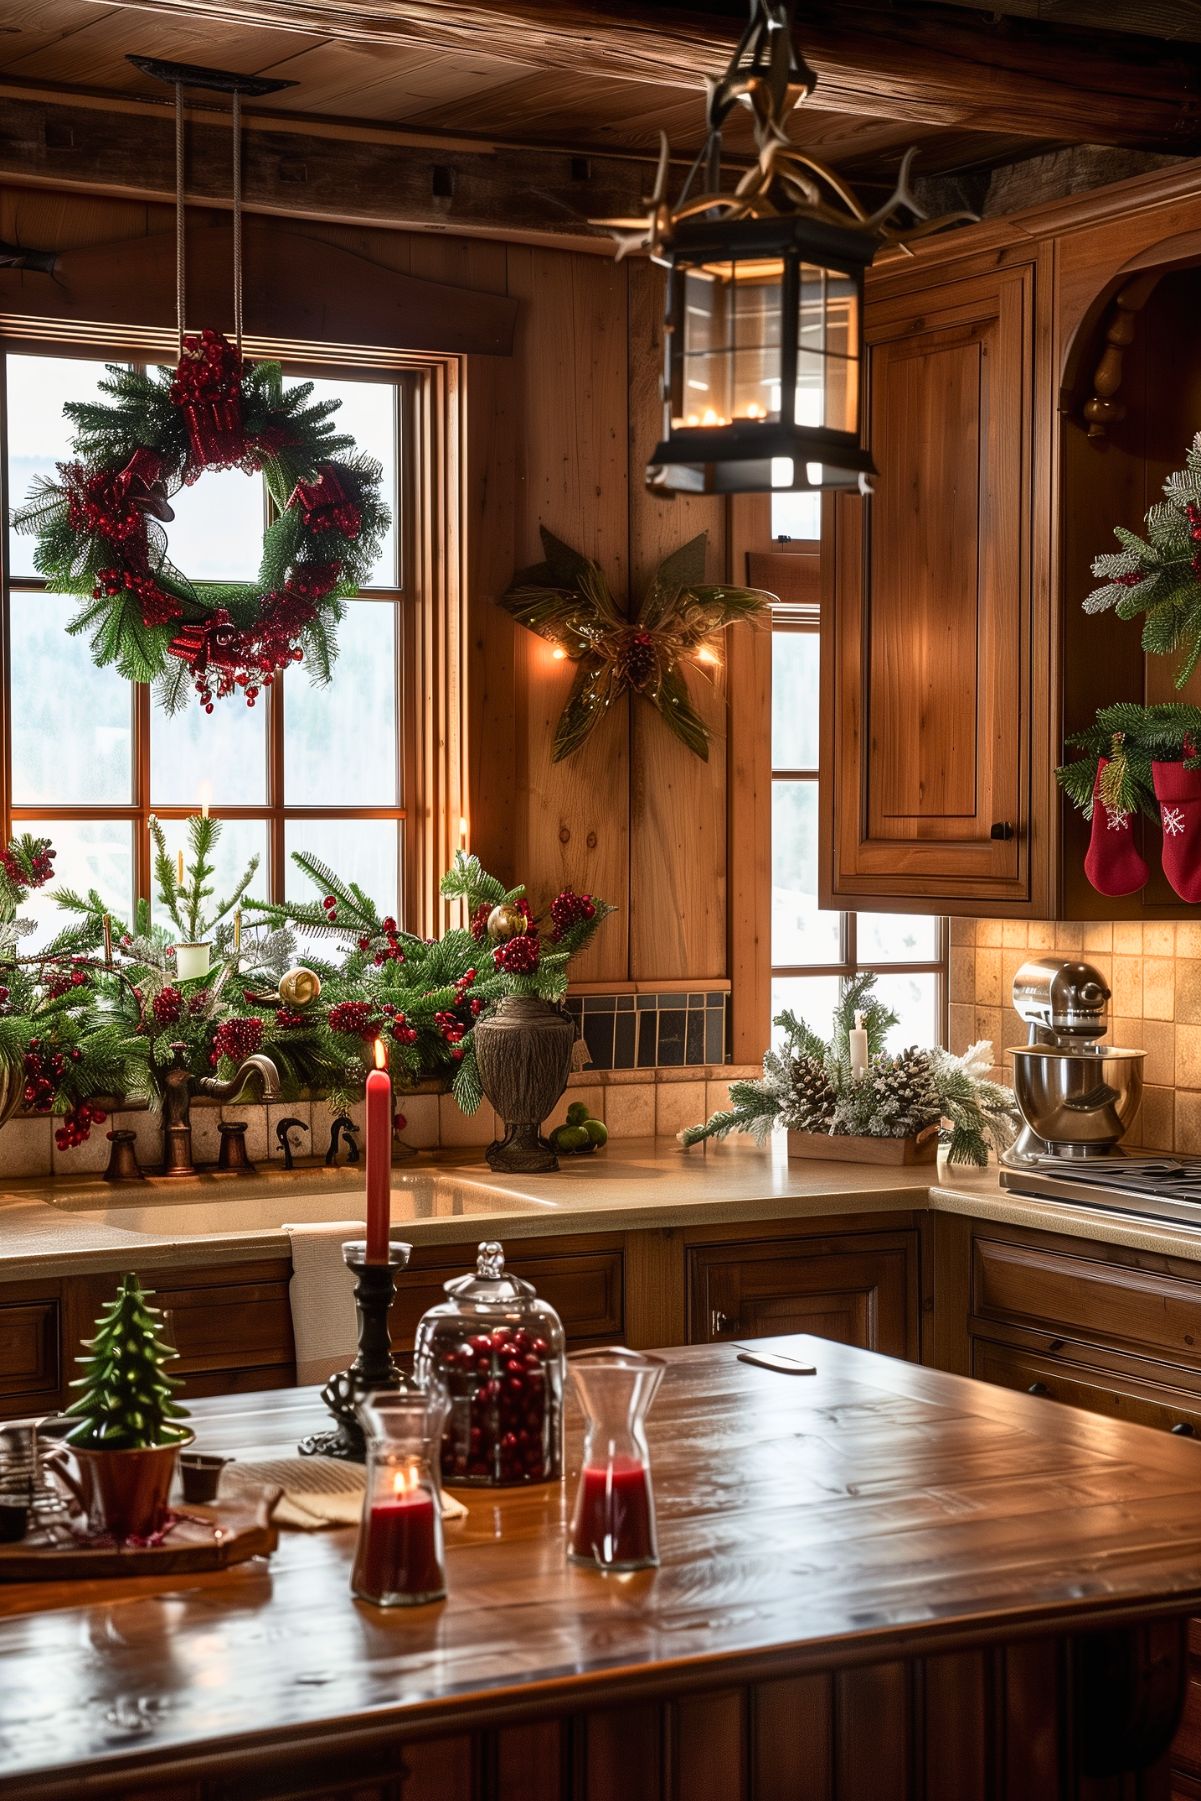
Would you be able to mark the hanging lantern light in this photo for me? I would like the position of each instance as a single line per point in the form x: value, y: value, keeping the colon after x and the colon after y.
x: 763, y: 338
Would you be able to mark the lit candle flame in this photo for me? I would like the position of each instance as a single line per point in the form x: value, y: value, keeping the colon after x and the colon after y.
x: 381, y: 1054
x: 705, y: 653
x: 403, y: 1482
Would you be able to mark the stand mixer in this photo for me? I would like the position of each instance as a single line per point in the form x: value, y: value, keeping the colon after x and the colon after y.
x: 1077, y: 1097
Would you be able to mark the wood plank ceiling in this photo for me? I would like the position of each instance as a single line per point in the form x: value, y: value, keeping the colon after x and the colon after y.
x: 410, y: 66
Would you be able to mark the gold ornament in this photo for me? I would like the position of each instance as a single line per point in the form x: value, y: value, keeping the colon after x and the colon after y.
x: 505, y: 922
x: 300, y: 987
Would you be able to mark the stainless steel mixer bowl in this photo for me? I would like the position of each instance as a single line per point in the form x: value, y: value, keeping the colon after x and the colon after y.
x: 1084, y: 1097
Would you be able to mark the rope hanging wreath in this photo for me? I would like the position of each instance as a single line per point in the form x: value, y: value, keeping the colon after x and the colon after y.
x: 99, y: 526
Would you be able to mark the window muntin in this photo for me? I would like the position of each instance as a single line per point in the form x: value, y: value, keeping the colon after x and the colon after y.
x: 86, y: 758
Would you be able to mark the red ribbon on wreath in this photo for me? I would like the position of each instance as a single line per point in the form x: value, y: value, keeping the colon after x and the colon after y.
x: 207, y: 388
x: 326, y: 506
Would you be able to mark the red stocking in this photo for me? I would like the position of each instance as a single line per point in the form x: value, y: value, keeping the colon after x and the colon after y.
x: 1178, y: 791
x: 1113, y: 864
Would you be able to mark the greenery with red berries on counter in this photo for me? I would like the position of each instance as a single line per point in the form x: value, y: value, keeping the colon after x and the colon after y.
x: 103, y: 1012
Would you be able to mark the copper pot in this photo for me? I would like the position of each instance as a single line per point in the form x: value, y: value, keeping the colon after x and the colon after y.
x: 125, y: 1493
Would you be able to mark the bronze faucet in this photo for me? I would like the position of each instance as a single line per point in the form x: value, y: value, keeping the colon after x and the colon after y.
x: 178, y: 1089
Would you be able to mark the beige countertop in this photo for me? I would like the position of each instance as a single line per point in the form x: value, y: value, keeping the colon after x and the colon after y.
x: 49, y: 1227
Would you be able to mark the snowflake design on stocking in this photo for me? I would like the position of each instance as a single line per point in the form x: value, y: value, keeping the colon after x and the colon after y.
x: 1116, y: 820
x: 1173, y: 821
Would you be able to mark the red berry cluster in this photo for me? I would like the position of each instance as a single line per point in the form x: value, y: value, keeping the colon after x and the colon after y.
x: 61, y: 978
x: 354, y: 1019
x: 77, y: 1125
x: 4, y: 997
x: 288, y: 1018
x: 44, y: 1070
x: 462, y: 997
x: 501, y: 1426
x: 389, y: 951
x: 568, y: 909
x: 97, y: 503
x: 331, y: 908
x: 209, y: 369
x: 237, y: 1038
x: 157, y: 606
x: 520, y: 956
x: 167, y: 1006
x: 451, y: 1027
x: 402, y: 1032
x: 41, y: 865
x: 479, y: 921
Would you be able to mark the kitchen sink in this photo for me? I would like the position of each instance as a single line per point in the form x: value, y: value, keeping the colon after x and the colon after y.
x: 213, y: 1206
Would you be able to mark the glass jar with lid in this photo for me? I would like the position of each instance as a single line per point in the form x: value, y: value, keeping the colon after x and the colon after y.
x: 497, y: 1351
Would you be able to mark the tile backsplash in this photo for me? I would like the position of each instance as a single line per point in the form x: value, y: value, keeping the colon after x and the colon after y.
x: 1154, y: 971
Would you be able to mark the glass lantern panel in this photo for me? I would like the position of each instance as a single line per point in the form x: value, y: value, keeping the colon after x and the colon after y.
x: 757, y: 303
x: 842, y: 394
x: 703, y: 396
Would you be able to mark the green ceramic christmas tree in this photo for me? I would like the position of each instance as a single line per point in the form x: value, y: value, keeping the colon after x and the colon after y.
x: 127, y: 1403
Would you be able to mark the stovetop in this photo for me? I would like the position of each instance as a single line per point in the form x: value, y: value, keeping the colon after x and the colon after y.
x: 1152, y: 1187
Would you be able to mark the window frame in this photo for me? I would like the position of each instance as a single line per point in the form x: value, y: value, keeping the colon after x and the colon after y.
x: 753, y: 777
x: 409, y: 376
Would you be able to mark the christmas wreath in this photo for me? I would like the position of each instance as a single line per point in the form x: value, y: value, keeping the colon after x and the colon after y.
x: 99, y: 524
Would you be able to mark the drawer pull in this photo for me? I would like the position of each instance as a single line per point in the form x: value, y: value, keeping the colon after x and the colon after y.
x: 1001, y: 829
x: 1184, y: 1429
x: 1038, y: 1388
x: 721, y: 1322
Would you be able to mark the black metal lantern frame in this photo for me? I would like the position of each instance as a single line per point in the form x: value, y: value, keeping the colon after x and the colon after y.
x: 764, y: 325
x: 762, y: 357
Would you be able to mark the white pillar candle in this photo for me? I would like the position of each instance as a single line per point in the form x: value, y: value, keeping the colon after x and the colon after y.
x: 858, y: 1041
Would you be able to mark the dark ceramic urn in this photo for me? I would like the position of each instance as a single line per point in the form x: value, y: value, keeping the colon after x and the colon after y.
x: 523, y: 1050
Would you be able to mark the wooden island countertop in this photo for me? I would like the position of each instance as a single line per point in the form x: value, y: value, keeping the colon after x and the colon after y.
x: 876, y: 1581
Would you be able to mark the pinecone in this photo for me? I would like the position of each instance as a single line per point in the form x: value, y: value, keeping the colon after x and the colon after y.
x: 636, y: 659
x: 904, y: 1094
x: 812, y: 1099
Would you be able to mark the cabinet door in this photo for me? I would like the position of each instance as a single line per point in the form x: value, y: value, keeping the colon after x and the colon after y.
x: 857, y: 1290
x: 926, y: 642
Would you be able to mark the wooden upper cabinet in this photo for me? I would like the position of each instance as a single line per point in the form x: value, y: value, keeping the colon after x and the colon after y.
x: 926, y: 609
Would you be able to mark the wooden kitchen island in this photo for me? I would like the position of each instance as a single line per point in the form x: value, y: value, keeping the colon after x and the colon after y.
x: 878, y: 1583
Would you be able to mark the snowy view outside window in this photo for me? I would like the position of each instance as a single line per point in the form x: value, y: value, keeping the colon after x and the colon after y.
x: 811, y: 947
x: 309, y: 769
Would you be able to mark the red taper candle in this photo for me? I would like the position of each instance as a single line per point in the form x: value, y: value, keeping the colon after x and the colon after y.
x: 379, y: 1157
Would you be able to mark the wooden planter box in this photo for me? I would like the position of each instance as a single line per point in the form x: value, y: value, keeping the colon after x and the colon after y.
x: 922, y: 1149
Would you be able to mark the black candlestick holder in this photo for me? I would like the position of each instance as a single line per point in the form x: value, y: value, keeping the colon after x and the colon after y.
x: 374, y: 1365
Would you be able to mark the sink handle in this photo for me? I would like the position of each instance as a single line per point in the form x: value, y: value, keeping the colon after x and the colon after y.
x: 285, y: 1143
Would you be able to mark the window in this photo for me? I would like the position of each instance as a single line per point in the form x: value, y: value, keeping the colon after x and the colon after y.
x: 87, y: 759
x: 811, y: 947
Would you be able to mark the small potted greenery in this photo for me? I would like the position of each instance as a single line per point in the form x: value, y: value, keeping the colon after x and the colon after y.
x: 128, y: 1437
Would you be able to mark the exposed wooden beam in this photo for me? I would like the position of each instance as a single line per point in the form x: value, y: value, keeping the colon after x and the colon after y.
x: 358, y: 178
x: 1178, y: 19
x: 929, y: 64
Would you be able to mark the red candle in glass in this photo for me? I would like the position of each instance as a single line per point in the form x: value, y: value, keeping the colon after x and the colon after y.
x: 614, y: 1523
x: 379, y: 1157
x: 398, y: 1553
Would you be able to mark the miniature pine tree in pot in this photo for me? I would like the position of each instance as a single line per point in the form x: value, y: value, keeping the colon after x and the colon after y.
x: 128, y: 1434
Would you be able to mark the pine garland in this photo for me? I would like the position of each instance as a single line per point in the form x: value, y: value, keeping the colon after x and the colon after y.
x: 807, y: 1086
x: 99, y: 532
x: 1132, y: 738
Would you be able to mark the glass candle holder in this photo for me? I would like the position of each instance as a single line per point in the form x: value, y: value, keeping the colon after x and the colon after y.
x: 399, y: 1557
x: 613, y: 1520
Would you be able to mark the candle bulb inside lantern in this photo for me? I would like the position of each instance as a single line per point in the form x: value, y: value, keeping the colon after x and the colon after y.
x: 379, y: 1156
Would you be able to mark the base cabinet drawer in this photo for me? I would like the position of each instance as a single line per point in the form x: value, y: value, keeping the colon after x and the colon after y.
x: 586, y: 1289
x: 29, y: 1352
x: 1150, y: 1310
x: 1097, y: 1391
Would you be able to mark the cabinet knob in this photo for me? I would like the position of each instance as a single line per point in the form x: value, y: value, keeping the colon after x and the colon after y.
x: 1000, y: 828
x: 1038, y: 1388
x: 721, y: 1322
x: 1183, y: 1429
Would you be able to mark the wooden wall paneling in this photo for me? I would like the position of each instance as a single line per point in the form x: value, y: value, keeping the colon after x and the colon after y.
x: 569, y: 820
x: 1028, y: 1748
x: 958, y: 1766
x: 793, y: 1740
x: 677, y: 802
x: 749, y: 792
x: 622, y: 1753
x: 873, y: 1761
x: 709, y: 1747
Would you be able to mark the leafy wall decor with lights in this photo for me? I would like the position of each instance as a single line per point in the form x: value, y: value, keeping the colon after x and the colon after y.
x: 678, y: 620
